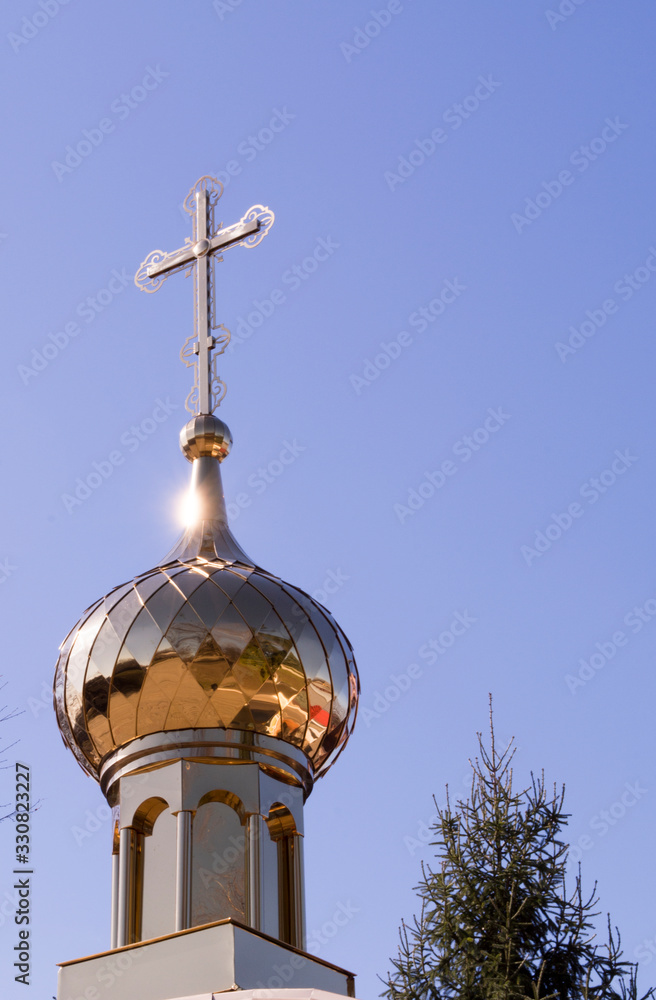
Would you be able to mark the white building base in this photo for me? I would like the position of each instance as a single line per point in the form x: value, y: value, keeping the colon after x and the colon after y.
x: 267, y: 995
x: 201, y: 962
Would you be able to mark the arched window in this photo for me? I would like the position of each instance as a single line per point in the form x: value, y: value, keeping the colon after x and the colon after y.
x: 219, y: 859
x: 157, y: 825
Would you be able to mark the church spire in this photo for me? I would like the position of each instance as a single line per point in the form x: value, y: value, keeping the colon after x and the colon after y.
x: 206, y: 696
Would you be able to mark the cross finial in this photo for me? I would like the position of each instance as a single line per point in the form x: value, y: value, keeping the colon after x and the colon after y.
x: 199, y: 253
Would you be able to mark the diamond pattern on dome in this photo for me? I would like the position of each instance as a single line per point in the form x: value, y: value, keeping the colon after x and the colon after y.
x: 231, y: 634
x: 229, y: 700
x: 289, y: 677
x: 164, y: 605
x: 143, y: 638
x: 187, y: 581
x: 275, y: 649
x: 251, y: 669
x: 205, y: 645
x: 116, y: 595
x: 106, y: 648
x: 253, y: 608
x: 243, y: 719
x: 186, y: 633
x: 152, y: 708
x: 230, y: 582
x: 83, y: 643
x: 150, y: 583
x: 209, y: 666
x: 275, y: 639
x: 190, y: 700
x: 123, y: 614
x: 311, y: 654
x: 208, y: 601
x: 287, y: 608
x: 208, y: 718
x: 265, y: 708
x: 160, y: 687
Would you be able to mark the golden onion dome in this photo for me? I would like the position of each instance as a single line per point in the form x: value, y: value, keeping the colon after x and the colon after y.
x: 206, y: 641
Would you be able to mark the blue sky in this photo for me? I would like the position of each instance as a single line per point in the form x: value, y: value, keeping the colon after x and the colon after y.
x: 480, y: 474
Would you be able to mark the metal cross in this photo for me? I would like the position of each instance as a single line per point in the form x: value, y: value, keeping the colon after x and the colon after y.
x: 198, y: 254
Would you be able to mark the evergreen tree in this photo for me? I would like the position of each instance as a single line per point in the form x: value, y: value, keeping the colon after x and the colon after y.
x: 497, y: 921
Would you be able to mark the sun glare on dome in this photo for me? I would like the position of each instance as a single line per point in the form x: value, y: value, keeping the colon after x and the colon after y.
x: 188, y: 509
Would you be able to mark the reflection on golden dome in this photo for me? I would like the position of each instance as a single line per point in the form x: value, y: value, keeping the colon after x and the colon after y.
x: 201, y: 644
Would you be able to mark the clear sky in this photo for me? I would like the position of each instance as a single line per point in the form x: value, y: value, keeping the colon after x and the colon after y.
x: 466, y: 378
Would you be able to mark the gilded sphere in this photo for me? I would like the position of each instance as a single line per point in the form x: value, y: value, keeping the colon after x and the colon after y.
x: 205, y: 436
x: 202, y: 645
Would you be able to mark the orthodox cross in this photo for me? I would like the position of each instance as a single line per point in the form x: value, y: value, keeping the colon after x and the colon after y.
x: 198, y: 255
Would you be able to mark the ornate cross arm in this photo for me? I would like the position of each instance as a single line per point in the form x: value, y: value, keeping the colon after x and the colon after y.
x: 198, y: 255
x: 225, y: 238
x: 256, y: 223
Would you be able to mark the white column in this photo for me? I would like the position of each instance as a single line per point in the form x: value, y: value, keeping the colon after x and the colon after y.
x: 183, y: 870
x: 298, y: 891
x: 256, y: 830
x: 126, y: 932
x: 115, y: 891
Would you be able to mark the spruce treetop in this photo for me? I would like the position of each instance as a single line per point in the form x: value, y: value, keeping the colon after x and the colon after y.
x: 497, y: 921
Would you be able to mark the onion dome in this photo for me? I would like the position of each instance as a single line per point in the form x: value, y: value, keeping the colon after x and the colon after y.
x: 206, y: 641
